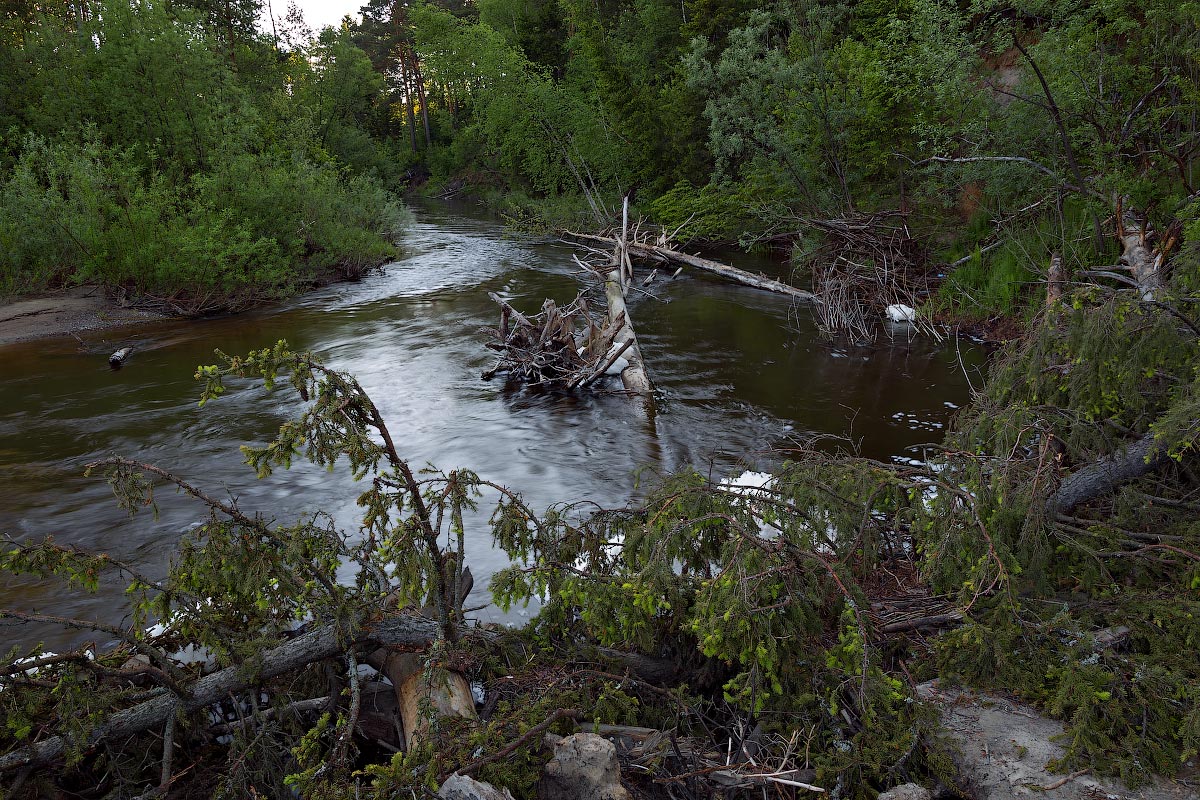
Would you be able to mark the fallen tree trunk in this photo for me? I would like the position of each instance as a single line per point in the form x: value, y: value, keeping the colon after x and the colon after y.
x: 658, y: 671
x: 665, y: 254
x: 552, y: 348
x: 1102, y: 477
x: 427, y: 692
x: 324, y: 642
x: 1138, y: 254
x: 633, y: 376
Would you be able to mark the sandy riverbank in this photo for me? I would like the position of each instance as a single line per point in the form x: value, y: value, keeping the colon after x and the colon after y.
x: 68, y: 311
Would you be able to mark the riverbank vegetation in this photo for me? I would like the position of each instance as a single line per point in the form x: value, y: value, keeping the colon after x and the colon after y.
x: 732, y: 635
x: 167, y: 145
x: 999, y: 134
x: 1034, y: 160
x: 172, y: 152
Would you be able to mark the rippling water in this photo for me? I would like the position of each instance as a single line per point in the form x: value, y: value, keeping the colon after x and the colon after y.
x: 740, y: 373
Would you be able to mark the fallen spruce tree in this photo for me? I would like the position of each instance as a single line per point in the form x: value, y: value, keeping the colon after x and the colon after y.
x: 729, y: 639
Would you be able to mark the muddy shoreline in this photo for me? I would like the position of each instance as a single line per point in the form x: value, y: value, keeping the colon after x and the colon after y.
x: 66, y: 312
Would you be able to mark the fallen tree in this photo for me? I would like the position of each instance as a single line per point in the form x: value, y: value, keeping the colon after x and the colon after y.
x: 564, y: 348
x: 567, y: 348
x: 1102, y: 477
x: 633, y: 376
x: 737, y: 637
x: 236, y: 588
x: 659, y: 253
x: 325, y: 642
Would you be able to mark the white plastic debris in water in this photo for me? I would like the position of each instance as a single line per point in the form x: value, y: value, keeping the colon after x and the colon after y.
x: 34, y: 670
x: 898, y: 312
x: 618, y: 366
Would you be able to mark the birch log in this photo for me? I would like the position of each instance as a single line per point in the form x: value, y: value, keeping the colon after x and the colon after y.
x: 665, y: 254
x: 633, y: 376
x: 1139, y: 256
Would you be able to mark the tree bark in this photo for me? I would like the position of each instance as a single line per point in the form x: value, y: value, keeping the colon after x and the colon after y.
x: 634, y: 376
x: 658, y: 671
x: 419, y: 78
x: 1055, y: 279
x: 426, y: 694
x: 406, y: 80
x: 1138, y: 255
x: 1102, y: 477
x: 324, y: 642
x: 656, y: 253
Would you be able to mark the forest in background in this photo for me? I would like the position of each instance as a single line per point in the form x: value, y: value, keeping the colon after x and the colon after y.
x: 995, y: 135
x: 164, y: 146
x: 172, y: 150
x: 1039, y: 160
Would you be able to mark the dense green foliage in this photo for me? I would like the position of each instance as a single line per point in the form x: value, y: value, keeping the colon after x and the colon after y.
x: 1097, y: 372
x: 764, y: 600
x: 737, y: 120
x: 730, y: 121
x: 167, y: 146
x: 181, y: 155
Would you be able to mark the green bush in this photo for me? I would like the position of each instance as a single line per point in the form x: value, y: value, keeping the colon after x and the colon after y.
x: 254, y: 226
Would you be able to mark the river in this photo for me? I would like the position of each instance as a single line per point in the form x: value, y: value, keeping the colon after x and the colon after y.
x: 740, y: 375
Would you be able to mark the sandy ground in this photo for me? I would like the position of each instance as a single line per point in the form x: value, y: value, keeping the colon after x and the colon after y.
x: 62, y: 313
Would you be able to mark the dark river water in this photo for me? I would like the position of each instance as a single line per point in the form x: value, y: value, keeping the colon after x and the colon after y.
x: 740, y: 374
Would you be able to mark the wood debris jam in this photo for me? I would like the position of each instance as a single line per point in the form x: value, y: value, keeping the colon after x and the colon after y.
x: 559, y: 347
x: 567, y: 348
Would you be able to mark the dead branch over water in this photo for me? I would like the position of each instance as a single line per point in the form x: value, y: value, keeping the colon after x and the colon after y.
x: 863, y: 265
x: 570, y: 348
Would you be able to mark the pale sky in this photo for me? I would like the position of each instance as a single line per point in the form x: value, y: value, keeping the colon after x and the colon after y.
x: 317, y: 13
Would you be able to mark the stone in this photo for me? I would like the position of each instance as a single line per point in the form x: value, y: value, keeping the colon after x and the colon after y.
x: 1003, y: 747
x: 907, y: 791
x: 463, y: 787
x: 584, y: 767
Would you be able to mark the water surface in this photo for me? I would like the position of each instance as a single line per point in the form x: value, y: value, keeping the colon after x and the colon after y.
x: 740, y: 374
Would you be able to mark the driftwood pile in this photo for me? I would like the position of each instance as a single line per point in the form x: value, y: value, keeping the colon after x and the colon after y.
x: 865, y: 264
x: 558, y: 348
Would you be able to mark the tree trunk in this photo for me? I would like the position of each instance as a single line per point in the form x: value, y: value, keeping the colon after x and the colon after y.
x: 408, y: 101
x: 426, y: 694
x: 634, y: 376
x: 1138, y: 255
x: 1101, y: 478
x: 419, y: 78
x: 324, y: 642
x: 1055, y: 279
x: 656, y: 253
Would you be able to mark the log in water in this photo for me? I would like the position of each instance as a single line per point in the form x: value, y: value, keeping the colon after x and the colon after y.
x: 737, y: 371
